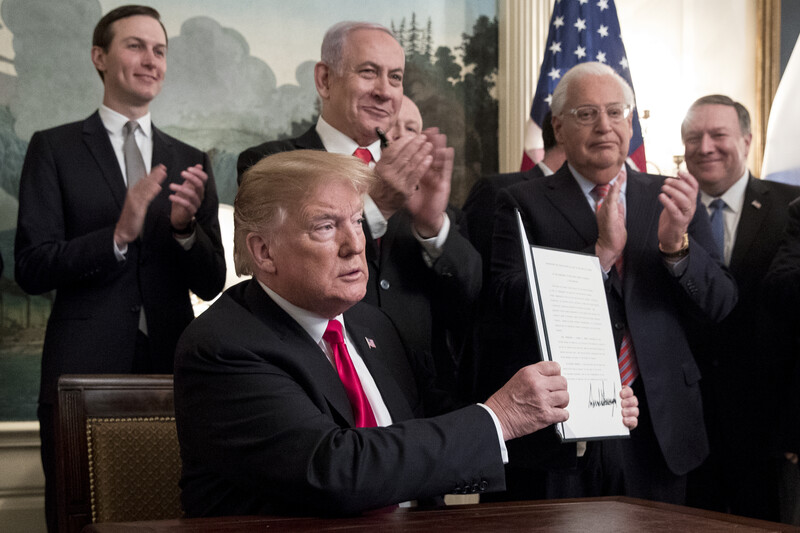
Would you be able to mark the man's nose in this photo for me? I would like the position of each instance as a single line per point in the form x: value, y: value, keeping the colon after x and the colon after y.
x: 603, y: 122
x: 149, y: 57
x: 380, y: 87
x: 353, y: 241
x: 706, y: 144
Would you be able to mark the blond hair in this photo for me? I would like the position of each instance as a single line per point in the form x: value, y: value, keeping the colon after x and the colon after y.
x: 277, y: 186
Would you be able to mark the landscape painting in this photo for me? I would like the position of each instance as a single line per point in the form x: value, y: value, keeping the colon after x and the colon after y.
x: 239, y: 73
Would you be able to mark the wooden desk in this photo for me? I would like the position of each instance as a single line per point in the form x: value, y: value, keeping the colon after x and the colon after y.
x: 582, y: 515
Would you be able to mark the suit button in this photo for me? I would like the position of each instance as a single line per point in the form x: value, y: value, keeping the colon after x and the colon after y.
x: 385, y: 284
x: 136, y: 308
x: 619, y: 325
x: 475, y: 488
x: 483, y: 486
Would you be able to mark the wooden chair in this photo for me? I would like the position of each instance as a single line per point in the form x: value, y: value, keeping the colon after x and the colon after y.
x: 117, y: 454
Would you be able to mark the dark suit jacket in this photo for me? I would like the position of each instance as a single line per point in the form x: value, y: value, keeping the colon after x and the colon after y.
x: 431, y: 306
x: 265, y: 425
x: 653, y: 304
x: 751, y: 349
x: 308, y: 141
x: 782, y: 287
x: 71, y: 196
x: 492, y: 338
x: 480, y: 207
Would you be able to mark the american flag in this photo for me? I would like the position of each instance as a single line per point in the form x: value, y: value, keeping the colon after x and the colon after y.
x: 580, y: 31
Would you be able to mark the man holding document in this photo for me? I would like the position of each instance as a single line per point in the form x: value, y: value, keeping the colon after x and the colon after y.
x: 659, y: 270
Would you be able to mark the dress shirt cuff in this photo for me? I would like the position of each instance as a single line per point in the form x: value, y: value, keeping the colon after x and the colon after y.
x: 187, y: 242
x: 500, y: 439
x: 375, y: 220
x: 678, y: 266
x: 120, y: 253
x: 432, y: 247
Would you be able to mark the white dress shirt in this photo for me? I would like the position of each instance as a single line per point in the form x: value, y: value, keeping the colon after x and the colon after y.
x: 734, y: 203
x: 337, y: 142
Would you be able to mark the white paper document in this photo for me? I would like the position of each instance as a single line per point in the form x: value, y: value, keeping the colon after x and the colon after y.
x: 574, y: 329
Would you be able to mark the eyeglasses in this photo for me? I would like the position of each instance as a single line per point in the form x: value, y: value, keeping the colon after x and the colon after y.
x: 590, y: 114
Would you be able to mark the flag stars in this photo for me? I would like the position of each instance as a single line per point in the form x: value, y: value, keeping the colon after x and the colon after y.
x: 558, y: 22
x: 601, y: 57
x: 555, y: 47
x: 603, y: 5
x: 624, y: 63
x: 582, y: 2
x: 549, y: 99
x: 603, y: 31
x: 580, y: 52
x: 554, y: 74
x: 580, y: 25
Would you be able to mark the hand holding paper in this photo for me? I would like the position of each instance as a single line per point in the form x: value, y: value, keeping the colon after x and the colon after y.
x: 534, y: 398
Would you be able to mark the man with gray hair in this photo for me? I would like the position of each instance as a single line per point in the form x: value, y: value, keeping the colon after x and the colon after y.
x: 660, y: 269
x: 422, y: 271
x: 741, y: 475
x: 293, y: 397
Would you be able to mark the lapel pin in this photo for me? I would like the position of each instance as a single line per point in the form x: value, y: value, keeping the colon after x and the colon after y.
x: 370, y: 342
x: 756, y: 204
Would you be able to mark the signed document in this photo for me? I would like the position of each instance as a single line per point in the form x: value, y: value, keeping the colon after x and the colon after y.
x: 574, y: 329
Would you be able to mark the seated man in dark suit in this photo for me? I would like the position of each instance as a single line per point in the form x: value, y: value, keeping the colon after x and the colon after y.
x: 423, y: 272
x: 279, y: 412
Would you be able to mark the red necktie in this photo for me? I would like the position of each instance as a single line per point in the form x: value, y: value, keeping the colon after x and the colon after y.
x: 363, y: 154
x: 628, y: 366
x: 362, y: 410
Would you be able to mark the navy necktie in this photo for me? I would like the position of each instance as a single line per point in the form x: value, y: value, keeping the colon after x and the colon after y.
x: 718, y: 225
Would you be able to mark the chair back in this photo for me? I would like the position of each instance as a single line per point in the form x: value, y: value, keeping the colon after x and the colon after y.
x: 117, y: 457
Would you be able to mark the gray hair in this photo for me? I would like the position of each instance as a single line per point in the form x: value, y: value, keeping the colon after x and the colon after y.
x: 278, y: 184
x: 719, y: 99
x: 332, y: 51
x: 580, y: 71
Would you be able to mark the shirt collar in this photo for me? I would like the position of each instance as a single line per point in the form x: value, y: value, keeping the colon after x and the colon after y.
x: 337, y: 142
x: 313, y: 324
x: 114, y: 121
x: 587, y: 186
x: 733, y: 197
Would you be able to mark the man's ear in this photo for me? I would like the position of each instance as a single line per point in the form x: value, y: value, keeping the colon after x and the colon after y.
x: 99, y: 58
x: 556, y: 123
x: 259, y: 248
x: 322, y: 79
x: 747, y: 140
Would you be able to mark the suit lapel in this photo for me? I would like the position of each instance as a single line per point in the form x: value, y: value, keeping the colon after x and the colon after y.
x: 163, y: 154
x: 371, y: 247
x: 641, y: 213
x: 162, y: 150
x: 755, y: 208
x: 566, y: 196
x: 374, y: 357
x: 302, y: 347
x: 96, y: 139
x: 310, y: 140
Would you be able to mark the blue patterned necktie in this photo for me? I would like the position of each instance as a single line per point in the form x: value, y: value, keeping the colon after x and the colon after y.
x: 718, y: 225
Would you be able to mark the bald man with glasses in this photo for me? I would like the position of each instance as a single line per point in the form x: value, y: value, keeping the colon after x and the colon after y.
x: 660, y: 268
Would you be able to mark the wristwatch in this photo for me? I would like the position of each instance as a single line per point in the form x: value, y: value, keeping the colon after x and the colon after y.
x: 683, y: 251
